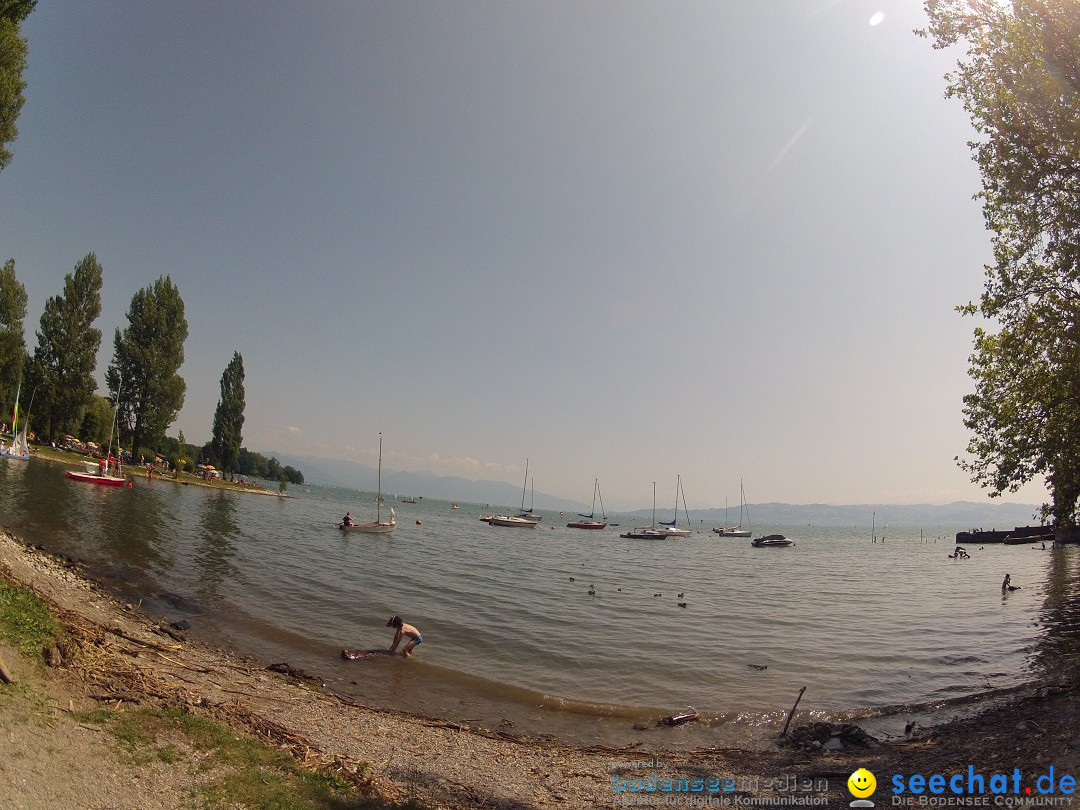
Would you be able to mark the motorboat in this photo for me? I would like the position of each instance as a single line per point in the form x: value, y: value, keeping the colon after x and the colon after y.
x: 772, y: 541
x: 520, y: 521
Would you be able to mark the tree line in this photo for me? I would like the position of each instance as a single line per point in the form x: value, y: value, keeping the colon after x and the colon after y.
x: 145, y: 389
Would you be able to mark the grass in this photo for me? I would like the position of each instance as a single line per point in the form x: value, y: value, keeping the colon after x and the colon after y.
x: 26, y: 623
x: 236, y: 770
x: 230, y: 768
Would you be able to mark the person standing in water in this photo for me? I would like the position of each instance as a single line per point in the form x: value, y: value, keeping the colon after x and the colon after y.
x: 404, y: 630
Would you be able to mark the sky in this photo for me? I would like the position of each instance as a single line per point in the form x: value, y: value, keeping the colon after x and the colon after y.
x: 622, y: 240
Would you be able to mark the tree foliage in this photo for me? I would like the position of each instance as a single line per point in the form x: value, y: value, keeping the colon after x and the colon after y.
x: 255, y: 465
x: 12, y: 65
x: 144, y: 375
x: 97, y: 420
x: 1019, y: 80
x: 229, y: 416
x: 64, y: 360
x: 12, y: 341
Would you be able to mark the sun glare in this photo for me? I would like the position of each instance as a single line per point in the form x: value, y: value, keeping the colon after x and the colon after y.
x: 877, y: 18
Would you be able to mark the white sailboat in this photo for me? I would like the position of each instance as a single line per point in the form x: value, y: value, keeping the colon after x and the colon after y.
x: 20, y: 448
x: 653, y: 532
x: 671, y: 528
x: 737, y: 531
x: 589, y: 521
x: 377, y: 526
x: 524, y: 519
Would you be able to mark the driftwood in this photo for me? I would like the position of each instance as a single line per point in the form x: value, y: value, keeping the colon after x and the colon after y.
x: 159, y: 647
x: 5, y: 674
x: 678, y: 719
x: 792, y: 712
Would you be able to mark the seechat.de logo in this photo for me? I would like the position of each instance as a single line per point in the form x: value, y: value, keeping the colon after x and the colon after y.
x: 861, y: 784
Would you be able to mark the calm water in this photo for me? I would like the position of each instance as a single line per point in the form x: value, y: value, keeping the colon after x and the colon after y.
x: 512, y: 636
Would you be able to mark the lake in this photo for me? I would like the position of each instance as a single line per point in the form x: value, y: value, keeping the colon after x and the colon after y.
x: 878, y: 633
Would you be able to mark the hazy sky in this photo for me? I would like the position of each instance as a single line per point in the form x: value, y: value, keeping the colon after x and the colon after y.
x: 625, y: 240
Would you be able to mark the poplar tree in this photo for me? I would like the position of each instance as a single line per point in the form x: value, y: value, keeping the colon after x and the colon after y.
x: 12, y: 65
x: 144, y: 375
x: 63, y: 367
x: 12, y: 340
x: 229, y: 416
x: 1019, y: 80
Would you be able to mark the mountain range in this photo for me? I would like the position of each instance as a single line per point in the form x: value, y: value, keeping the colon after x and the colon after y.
x: 341, y: 473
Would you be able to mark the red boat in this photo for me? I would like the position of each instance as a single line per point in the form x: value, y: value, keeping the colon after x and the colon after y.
x: 95, y: 477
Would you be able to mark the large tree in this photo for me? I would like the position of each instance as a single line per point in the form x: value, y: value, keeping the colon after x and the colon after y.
x: 12, y: 65
x: 144, y: 376
x: 1019, y: 80
x: 12, y: 341
x: 229, y: 416
x: 66, y: 354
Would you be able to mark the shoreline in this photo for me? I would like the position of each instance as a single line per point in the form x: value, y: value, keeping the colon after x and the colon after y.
x: 54, y: 456
x: 446, y: 764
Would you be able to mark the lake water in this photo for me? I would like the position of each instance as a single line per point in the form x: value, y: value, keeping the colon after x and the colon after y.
x: 876, y: 632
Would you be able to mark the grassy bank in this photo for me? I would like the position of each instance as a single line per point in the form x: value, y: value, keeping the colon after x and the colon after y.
x: 212, y: 764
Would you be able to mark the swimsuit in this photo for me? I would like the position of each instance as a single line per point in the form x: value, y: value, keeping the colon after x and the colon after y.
x: 417, y: 640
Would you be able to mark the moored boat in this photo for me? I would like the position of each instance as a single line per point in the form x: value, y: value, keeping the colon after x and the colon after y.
x: 737, y: 531
x: 524, y: 519
x: 520, y: 521
x: 772, y: 541
x: 589, y: 521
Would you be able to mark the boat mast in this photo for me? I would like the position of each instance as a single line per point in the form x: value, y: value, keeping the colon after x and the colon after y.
x: 378, y: 498
x: 523, y: 485
x: 112, y: 430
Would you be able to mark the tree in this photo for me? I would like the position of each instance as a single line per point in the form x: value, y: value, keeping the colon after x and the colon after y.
x: 1020, y: 83
x: 12, y: 65
x: 12, y: 343
x: 66, y: 354
x: 147, y: 355
x: 229, y: 416
x: 97, y: 420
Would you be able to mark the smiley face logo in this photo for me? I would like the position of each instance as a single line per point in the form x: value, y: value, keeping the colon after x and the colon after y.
x: 861, y: 783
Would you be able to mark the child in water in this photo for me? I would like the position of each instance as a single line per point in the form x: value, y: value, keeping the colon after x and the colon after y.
x: 402, y: 631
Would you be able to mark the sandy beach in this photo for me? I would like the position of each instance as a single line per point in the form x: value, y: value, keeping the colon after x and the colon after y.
x: 122, y: 658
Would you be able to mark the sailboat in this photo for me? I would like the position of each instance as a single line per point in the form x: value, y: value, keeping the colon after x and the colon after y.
x: 588, y: 521
x: 737, y: 531
x: 653, y: 532
x: 671, y: 528
x: 99, y: 473
x: 19, y: 448
x: 378, y: 526
x: 524, y: 519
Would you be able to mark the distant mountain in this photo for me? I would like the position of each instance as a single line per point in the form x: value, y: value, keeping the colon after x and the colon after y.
x: 341, y: 473
x: 961, y: 513
x: 986, y: 515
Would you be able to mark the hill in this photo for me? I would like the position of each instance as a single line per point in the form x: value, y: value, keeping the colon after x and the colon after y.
x: 987, y: 514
